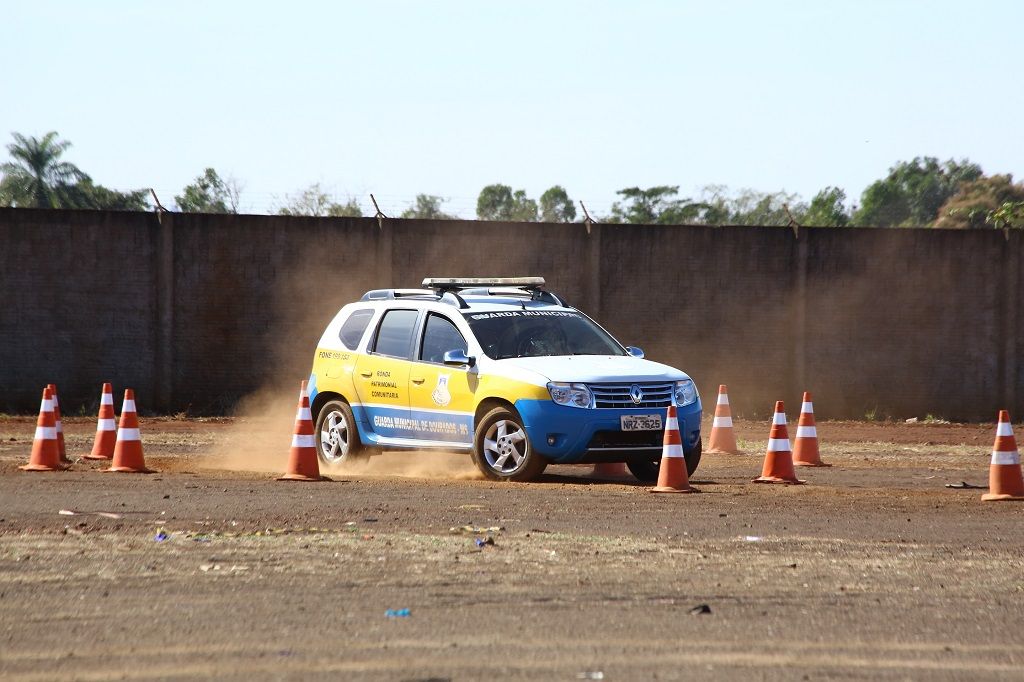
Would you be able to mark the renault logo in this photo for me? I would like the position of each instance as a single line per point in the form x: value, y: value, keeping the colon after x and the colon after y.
x: 636, y: 394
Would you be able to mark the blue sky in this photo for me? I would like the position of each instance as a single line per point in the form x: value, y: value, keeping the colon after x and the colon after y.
x: 399, y: 98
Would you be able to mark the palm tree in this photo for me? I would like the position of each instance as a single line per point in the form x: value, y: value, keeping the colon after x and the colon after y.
x: 37, y: 178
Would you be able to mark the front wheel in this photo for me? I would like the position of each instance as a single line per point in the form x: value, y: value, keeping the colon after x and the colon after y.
x: 502, y: 450
x: 337, y: 440
x: 646, y: 470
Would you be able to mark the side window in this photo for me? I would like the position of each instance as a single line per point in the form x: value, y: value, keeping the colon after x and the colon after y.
x: 394, y: 336
x: 439, y: 337
x: 354, y: 327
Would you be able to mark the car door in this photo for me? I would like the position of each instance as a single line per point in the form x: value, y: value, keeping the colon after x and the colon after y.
x: 441, y: 397
x: 382, y: 375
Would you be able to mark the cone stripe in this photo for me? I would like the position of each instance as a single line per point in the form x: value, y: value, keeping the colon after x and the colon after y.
x: 779, y: 419
x: 778, y: 445
x: 806, y: 432
x: 303, y: 441
x: 128, y: 434
x: 807, y: 407
x: 723, y: 398
x: 128, y: 406
x: 672, y: 424
x: 304, y: 414
x: 722, y: 422
x: 1004, y: 429
x: 60, y: 427
x: 1004, y: 457
x: 107, y: 399
x: 47, y: 405
x: 106, y: 425
x: 46, y: 433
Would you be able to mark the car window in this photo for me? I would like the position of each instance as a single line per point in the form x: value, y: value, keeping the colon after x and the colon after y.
x: 354, y: 327
x: 394, y: 335
x: 533, y: 333
x: 439, y: 337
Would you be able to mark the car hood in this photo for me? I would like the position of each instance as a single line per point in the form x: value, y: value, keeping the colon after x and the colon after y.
x: 595, y: 368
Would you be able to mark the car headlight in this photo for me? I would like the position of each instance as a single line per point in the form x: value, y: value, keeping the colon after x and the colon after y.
x: 573, y: 395
x: 686, y: 392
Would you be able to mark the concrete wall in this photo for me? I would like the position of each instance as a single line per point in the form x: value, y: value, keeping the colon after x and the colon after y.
x: 196, y: 311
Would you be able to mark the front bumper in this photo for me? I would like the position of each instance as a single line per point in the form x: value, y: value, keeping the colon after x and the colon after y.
x: 567, y: 435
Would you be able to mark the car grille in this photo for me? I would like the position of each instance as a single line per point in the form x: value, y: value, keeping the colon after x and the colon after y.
x: 617, y: 395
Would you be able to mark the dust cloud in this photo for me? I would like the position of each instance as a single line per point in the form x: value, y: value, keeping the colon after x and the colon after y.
x: 259, y: 438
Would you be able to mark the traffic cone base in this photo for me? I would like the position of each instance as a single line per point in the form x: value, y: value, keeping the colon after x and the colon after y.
x: 609, y: 470
x: 1005, y: 481
x: 45, y: 450
x: 303, y: 463
x: 778, y: 459
x: 128, y: 457
x: 723, y: 438
x: 672, y: 476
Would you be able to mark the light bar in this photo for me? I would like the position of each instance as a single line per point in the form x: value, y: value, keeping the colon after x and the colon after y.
x: 469, y: 282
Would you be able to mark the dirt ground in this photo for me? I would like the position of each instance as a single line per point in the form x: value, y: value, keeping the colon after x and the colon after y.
x: 873, y: 570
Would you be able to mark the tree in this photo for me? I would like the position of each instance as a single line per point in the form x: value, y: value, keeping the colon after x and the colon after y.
x: 827, y: 209
x: 86, y: 194
x: 208, y: 194
x: 655, y: 206
x: 314, y: 201
x: 37, y: 178
x: 976, y: 200
x: 913, y: 192
x: 499, y: 202
x: 556, y: 206
x: 1010, y: 214
x: 427, y: 207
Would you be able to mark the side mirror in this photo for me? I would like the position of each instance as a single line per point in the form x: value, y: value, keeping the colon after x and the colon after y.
x: 458, y: 357
x: 635, y: 352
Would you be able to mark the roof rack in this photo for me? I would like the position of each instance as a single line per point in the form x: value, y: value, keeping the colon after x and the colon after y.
x: 528, y: 287
x: 422, y: 294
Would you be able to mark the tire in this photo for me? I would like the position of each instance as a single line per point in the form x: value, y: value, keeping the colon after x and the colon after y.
x: 499, y: 454
x: 337, y: 436
x: 647, y: 470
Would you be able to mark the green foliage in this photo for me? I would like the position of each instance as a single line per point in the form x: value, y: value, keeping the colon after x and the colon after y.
x: 314, y: 201
x: 750, y: 207
x: 827, y: 209
x: 208, y: 194
x: 978, y: 199
x: 427, y: 207
x: 499, y: 202
x: 913, y: 192
x: 556, y: 206
x: 36, y: 177
x: 656, y: 206
x: 86, y: 194
x: 1010, y: 214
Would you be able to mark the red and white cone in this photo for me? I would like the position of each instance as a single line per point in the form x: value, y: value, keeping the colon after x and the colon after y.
x: 609, y: 470
x: 723, y: 438
x: 672, y: 476
x: 60, y: 427
x: 106, y: 428
x: 778, y: 460
x: 805, y: 446
x: 1004, y: 474
x: 128, y: 447
x: 303, y: 464
x: 45, y: 452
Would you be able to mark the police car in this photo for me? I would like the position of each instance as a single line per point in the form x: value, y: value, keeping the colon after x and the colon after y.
x: 500, y: 368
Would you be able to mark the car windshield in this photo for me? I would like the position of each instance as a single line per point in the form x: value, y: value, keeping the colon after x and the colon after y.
x: 534, y: 333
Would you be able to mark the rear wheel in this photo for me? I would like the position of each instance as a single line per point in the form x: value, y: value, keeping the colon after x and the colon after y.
x: 646, y: 470
x: 337, y: 440
x: 502, y: 450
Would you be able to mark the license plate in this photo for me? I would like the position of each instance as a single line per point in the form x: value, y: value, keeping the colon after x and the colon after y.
x: 640, y: 422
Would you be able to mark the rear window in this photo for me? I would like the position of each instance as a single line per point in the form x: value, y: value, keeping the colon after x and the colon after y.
x: 354, y: 327
x: 394, y: 336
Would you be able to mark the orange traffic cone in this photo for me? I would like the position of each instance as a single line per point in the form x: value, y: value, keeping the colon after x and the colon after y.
x: 1004, y: 475
x: 778, y: 460
x: 672, y: 477
x: 106, y: 430
x: 609, y: 470
x: 60, y: 426
x: 45, y: 452
x: 302, y: 460
x: 128, y: 447
x: 723, y: 438
x: 805, y: 446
